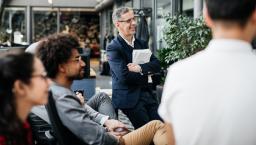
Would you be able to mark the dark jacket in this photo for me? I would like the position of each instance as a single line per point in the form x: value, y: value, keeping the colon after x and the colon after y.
x: 127, y: 85
x: 77, y: 118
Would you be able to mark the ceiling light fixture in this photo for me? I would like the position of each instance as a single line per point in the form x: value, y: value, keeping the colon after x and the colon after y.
x: 50, y: 1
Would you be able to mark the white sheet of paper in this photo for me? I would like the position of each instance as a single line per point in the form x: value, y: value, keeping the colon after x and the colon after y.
x: 141, y: 56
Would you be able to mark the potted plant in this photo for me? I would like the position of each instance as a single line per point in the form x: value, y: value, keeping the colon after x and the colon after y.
x: 183, y: 36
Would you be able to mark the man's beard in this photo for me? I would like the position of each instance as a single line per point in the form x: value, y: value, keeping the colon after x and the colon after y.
x: 78, y: 76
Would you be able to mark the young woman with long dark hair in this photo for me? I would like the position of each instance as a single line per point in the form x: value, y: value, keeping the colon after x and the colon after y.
x: 23, y: 84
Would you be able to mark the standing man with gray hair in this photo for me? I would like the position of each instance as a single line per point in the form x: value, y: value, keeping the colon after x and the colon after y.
x: 131, y: 91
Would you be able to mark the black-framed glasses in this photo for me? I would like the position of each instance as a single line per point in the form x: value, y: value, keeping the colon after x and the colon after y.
x: 77, y: 59
x: 133, y: 19
x: 42, y: 76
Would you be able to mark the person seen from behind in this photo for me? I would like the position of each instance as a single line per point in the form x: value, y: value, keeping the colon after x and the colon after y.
x: 210, y: 97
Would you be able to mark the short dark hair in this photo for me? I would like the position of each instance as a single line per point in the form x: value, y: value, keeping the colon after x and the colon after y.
x: 56, y: 49
x: 237, y: 11
x: 13, y: 67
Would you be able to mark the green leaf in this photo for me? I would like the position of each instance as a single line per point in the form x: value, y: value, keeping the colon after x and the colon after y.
x: 184, y: 37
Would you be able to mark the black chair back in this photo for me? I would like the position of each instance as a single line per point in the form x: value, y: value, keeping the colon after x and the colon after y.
x: 63, y: 134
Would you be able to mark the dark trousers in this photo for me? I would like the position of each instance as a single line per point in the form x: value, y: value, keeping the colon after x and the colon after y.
x: 144, y: 111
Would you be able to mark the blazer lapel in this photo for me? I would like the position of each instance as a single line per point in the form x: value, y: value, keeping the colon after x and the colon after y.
x: 125, y: 48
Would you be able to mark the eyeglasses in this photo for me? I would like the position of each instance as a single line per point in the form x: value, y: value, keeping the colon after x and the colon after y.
x: 77, y: 59
x: 133, y: 19
x: 42, y: 76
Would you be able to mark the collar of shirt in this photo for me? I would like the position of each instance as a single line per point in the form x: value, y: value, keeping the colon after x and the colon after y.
x: 131, y: 44
x: 229, y: 45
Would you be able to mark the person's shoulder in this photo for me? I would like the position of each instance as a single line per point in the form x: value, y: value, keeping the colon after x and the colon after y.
x: 59, y: 91
x: 189, y: 62
x: 113, y: 44
x: 63, y: 95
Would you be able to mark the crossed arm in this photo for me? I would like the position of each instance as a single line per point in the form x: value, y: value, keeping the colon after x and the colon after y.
x: 130, y: 73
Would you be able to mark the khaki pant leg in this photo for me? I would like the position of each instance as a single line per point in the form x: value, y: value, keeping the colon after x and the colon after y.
x: 152, y: 131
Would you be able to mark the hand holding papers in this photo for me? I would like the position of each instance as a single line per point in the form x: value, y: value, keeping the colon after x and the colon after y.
x: 134, y: 67
x: 141, y: 56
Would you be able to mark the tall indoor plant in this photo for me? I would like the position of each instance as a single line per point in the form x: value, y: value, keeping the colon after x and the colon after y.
x: 183, y: 37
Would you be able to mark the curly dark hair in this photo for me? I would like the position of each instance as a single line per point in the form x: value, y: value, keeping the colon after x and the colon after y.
x: 13, y: 67
x: 56, y: 49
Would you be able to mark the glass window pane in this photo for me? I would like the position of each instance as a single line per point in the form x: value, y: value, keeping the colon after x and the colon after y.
x: 128, y: 4
x: 83, y: 24
x: 44, y: 22
x: 13, y: 28
x: 163, y: 9
x: 187, y: 7
x: 147, y: 4
x: 144, y: 19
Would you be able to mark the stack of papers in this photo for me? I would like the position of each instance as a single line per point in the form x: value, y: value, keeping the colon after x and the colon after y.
x: 142, y: 56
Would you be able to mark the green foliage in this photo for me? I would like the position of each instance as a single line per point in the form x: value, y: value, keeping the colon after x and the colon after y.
x: 184, y: 37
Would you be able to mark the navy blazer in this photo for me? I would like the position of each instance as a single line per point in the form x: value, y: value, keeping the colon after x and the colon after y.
x: 127, y: 85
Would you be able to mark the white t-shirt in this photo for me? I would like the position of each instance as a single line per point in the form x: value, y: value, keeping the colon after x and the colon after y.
x: 210, y: 98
